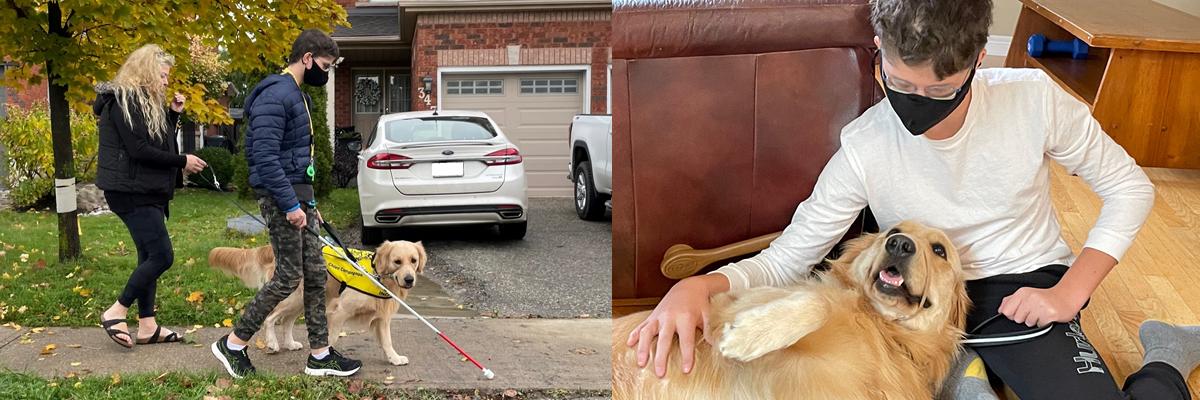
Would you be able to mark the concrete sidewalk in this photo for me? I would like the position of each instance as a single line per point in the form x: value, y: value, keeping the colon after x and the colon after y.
x: 526, y: 354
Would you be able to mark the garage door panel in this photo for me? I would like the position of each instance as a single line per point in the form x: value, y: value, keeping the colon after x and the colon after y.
x: 556, y: 165
x: 534, y: 148
x: 538, y: 123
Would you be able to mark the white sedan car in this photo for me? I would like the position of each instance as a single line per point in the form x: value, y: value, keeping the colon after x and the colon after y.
x: 444, y: 168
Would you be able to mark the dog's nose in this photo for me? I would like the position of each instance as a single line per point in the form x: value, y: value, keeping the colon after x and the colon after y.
x: 900, y: 246
x: 408, y: 280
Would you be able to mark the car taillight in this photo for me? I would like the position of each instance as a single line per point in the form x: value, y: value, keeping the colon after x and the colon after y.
x: 388, y: 161
x: 510, y: 156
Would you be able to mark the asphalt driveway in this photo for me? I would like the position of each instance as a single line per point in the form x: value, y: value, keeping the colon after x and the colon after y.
x: 562, y: 269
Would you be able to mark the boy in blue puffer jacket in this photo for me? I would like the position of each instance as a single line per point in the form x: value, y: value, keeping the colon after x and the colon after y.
x: 279, y: 150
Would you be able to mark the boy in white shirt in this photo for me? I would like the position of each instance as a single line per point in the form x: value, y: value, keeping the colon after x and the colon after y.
x: 968, y: 151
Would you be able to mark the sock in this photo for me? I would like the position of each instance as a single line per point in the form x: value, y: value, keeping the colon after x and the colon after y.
x: 967, y: 379
x: 1177, y: 346
x: 322, y: 354
x: 233, y: 346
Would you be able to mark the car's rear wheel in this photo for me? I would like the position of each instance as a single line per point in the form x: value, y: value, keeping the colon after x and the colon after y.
x: 371, y: 236
x: 588, y: 203
x: 514, y: 231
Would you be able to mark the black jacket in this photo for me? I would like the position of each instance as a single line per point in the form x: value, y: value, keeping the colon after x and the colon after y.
x: 133, y: 165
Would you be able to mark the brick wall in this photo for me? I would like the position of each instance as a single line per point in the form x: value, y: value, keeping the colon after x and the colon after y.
x: 545, y: 38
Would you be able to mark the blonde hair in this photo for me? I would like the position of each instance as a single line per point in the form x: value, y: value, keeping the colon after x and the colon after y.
x: 138, y: 83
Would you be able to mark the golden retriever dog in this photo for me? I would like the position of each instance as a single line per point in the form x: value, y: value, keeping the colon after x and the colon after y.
x: 884, y: 322
x: 397, y: 263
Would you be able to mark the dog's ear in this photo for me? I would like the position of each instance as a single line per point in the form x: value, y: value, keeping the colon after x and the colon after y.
x: 421, y: 257
x: 384, y: 253
x: 961, y: 304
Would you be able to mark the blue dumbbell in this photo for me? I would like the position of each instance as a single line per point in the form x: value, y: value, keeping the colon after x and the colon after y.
x: 1038, y: 44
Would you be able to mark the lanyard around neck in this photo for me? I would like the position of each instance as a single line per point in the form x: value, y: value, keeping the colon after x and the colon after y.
x: 312, y: 154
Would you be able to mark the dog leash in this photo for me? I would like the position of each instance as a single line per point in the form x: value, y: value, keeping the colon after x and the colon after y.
x: 344, y: 253
x: 975, y: 339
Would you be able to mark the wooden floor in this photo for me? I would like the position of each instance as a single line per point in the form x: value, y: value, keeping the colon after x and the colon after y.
x: 1159, y: 277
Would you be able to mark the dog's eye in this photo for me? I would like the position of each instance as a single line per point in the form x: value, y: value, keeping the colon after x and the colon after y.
x: 939, y: 250
x: 414, y: 260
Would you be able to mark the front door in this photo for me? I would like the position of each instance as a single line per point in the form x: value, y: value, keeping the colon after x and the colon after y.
x: 378, y: 92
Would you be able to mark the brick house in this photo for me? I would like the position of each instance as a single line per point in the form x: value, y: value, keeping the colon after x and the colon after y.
x: 24, y: 95
x: 530, y: 64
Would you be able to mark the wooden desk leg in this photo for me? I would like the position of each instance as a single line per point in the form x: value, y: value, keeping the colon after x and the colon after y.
x: 1147, y: 103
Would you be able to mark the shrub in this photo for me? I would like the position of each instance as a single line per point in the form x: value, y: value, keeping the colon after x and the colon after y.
x: 220, y: 161
x: 29, y: 154
x: 323, y: 150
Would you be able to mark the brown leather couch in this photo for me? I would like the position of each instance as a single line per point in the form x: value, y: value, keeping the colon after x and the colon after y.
x: 725, y: 113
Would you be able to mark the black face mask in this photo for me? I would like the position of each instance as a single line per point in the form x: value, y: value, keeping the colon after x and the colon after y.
x: 919, y: 113
x: 315, y: 76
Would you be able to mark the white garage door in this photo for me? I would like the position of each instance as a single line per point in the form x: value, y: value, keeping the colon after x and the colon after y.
x: 534, y: 110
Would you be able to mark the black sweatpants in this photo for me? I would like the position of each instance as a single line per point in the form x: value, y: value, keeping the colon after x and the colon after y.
x: 148, y: 226
x: 1062, y: 364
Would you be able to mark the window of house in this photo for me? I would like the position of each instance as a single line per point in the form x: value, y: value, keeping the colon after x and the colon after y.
x: 549, y: 86
x: 474, y: 86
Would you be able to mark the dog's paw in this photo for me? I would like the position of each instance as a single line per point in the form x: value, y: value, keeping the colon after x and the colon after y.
x: 750, y: 336
x: 272, y: 347
x: 294, y: 345
x: 398, y: 360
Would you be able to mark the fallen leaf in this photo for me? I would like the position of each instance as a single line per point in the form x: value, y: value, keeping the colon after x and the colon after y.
x: 116, y: 378
x: 22, y: 310
x: 49, y: 349
x: 38, y: 329
x: 85, y: 292
x: 222, y: 383
x: 76, y: 364
x: 189, y: 262
x: 78, y: 384
x: 510, y: 393
x: 74, y: 346
x: 195, y: 297
x: 584, y: 351
x: 260, y: 344
x: 355, y: 386
x: 227, y: 322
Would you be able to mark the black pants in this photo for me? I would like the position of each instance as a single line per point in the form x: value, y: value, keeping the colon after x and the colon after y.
x: 148, y: 227
x: 1061, y: 364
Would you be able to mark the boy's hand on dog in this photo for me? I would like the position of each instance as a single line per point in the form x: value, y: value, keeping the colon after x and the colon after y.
x: 297, y: 218
x: 683, y: 310
x: 1039, y: 307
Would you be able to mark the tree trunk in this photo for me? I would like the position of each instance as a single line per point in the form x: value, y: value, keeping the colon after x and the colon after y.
x: 60, y: 132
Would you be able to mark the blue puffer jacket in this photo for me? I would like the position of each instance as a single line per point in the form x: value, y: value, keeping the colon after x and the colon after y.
x: 279, y: 139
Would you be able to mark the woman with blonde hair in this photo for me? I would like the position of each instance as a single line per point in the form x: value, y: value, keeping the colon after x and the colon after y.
x: 138, y: 164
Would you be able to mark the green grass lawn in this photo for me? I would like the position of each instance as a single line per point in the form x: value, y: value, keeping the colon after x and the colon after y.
x: 36, y: 290
x: 196, y: 386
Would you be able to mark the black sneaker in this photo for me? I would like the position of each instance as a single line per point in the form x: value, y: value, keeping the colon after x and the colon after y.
x: 237, y: 363
x: 333, y: 364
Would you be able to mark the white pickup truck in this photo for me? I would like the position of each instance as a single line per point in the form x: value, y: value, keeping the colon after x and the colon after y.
x: 591, y: 164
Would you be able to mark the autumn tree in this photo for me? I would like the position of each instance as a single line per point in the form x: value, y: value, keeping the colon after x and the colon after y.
x: 76, y: 44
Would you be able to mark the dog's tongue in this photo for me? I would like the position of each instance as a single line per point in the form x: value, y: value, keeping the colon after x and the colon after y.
x: 891, y: 278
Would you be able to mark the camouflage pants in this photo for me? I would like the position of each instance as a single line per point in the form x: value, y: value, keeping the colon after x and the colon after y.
x: 297, y: 258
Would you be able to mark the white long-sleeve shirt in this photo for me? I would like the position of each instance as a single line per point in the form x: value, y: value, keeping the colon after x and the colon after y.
x: 987, y: 187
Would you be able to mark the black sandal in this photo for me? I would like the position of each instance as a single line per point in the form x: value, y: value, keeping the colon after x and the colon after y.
x: 155, y: 339
x: 112, y: 333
